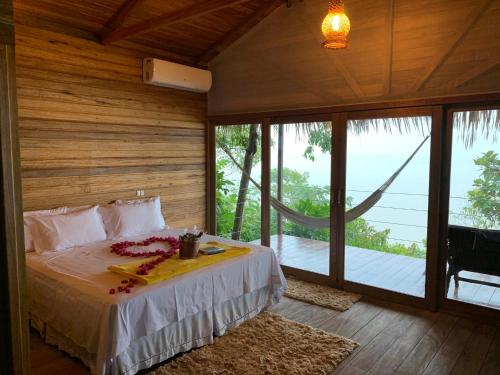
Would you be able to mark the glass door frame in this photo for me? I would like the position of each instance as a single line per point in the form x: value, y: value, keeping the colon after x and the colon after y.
x: 429, y: 301
x: 265, y: 126
x: 445, y: 304
x: 439, y: 181
x: 339, y: 120
x: 211, y: 160
x: 332, y: 277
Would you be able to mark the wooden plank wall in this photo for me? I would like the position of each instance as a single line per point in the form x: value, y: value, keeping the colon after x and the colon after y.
x: 92, y: 132
x: 14, y: 335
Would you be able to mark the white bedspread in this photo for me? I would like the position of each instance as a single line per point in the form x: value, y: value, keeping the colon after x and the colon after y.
x: 69, y: 291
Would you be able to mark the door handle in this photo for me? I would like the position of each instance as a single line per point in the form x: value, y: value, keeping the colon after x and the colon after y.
x: 337, y: 197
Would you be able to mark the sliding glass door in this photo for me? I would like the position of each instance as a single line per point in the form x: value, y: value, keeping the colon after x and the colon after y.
x: 348, y: 199
x: 386, y: 202
x: 473, y: 232
x: 300, y: 183
x: 300, y: 194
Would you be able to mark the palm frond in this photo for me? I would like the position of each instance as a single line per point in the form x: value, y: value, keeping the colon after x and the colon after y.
x: 469, y: 125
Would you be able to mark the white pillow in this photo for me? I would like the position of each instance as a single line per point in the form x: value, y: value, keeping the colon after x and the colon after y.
x: 59, y: 232
x: 126, y: 219
x: 28, y: 224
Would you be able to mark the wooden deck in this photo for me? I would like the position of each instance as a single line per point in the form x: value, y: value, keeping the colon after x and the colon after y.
x: 388, y: 271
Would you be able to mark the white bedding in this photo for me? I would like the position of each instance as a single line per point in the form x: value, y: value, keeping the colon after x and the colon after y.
x: 68, y: 291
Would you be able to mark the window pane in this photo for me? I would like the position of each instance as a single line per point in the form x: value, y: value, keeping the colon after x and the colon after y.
x: 474, y: 209
x: 387, y: 202
x: 300, y: 181
x: 238, y: 170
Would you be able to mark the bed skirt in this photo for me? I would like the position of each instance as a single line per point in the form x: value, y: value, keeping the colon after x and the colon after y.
x: 191, y: 332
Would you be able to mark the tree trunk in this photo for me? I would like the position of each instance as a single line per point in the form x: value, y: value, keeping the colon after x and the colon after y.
x: 244, y: 182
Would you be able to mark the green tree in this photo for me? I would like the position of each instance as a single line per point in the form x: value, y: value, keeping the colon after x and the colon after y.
x: 320, y: 137
x: 484, y: 198
x: 226, y: 200
x: 242, y: 143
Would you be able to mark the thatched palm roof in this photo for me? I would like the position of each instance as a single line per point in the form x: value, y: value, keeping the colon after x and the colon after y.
x: 469, y: 125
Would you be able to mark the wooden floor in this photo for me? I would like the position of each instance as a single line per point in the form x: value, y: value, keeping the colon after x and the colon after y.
x: 388, y: 271
x: 47, y: 360
x: 400, y: 340
x: 393, y: 339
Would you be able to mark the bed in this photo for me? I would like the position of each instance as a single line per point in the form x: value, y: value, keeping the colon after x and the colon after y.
x: 70, y: 304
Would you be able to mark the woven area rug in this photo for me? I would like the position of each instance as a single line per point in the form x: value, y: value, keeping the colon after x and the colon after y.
x: 267, y: 344
x: 320, y: 295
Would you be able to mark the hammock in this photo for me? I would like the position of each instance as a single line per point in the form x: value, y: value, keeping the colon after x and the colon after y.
x: 324, y: 222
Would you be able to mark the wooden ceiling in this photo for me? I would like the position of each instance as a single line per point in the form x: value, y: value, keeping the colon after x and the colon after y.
x: 398, y: 49
x: 191, y: 31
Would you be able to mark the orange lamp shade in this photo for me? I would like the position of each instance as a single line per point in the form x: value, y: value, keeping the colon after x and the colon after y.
x: 336, y: 26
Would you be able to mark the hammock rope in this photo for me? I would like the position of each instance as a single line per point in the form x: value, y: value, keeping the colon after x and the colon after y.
x: 324, y: 222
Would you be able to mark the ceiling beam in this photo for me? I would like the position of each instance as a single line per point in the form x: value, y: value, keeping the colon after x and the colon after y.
x: 118, y: 18
x: 238, y: 31
x: 346, y: 74
x: 198, y: 9
x: 471, y: 21
x: 389, y: 37
x: 478, y: 70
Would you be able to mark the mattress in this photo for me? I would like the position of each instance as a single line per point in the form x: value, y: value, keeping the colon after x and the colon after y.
x: 69, y: 292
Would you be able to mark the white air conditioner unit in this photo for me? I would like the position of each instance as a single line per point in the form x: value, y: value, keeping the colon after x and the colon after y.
x: 164, y: 73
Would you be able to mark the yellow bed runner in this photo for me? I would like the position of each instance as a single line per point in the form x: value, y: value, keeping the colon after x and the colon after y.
x: 175, y: 266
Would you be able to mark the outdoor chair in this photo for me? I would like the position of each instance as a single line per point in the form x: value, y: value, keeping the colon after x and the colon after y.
x: 474, y: 250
